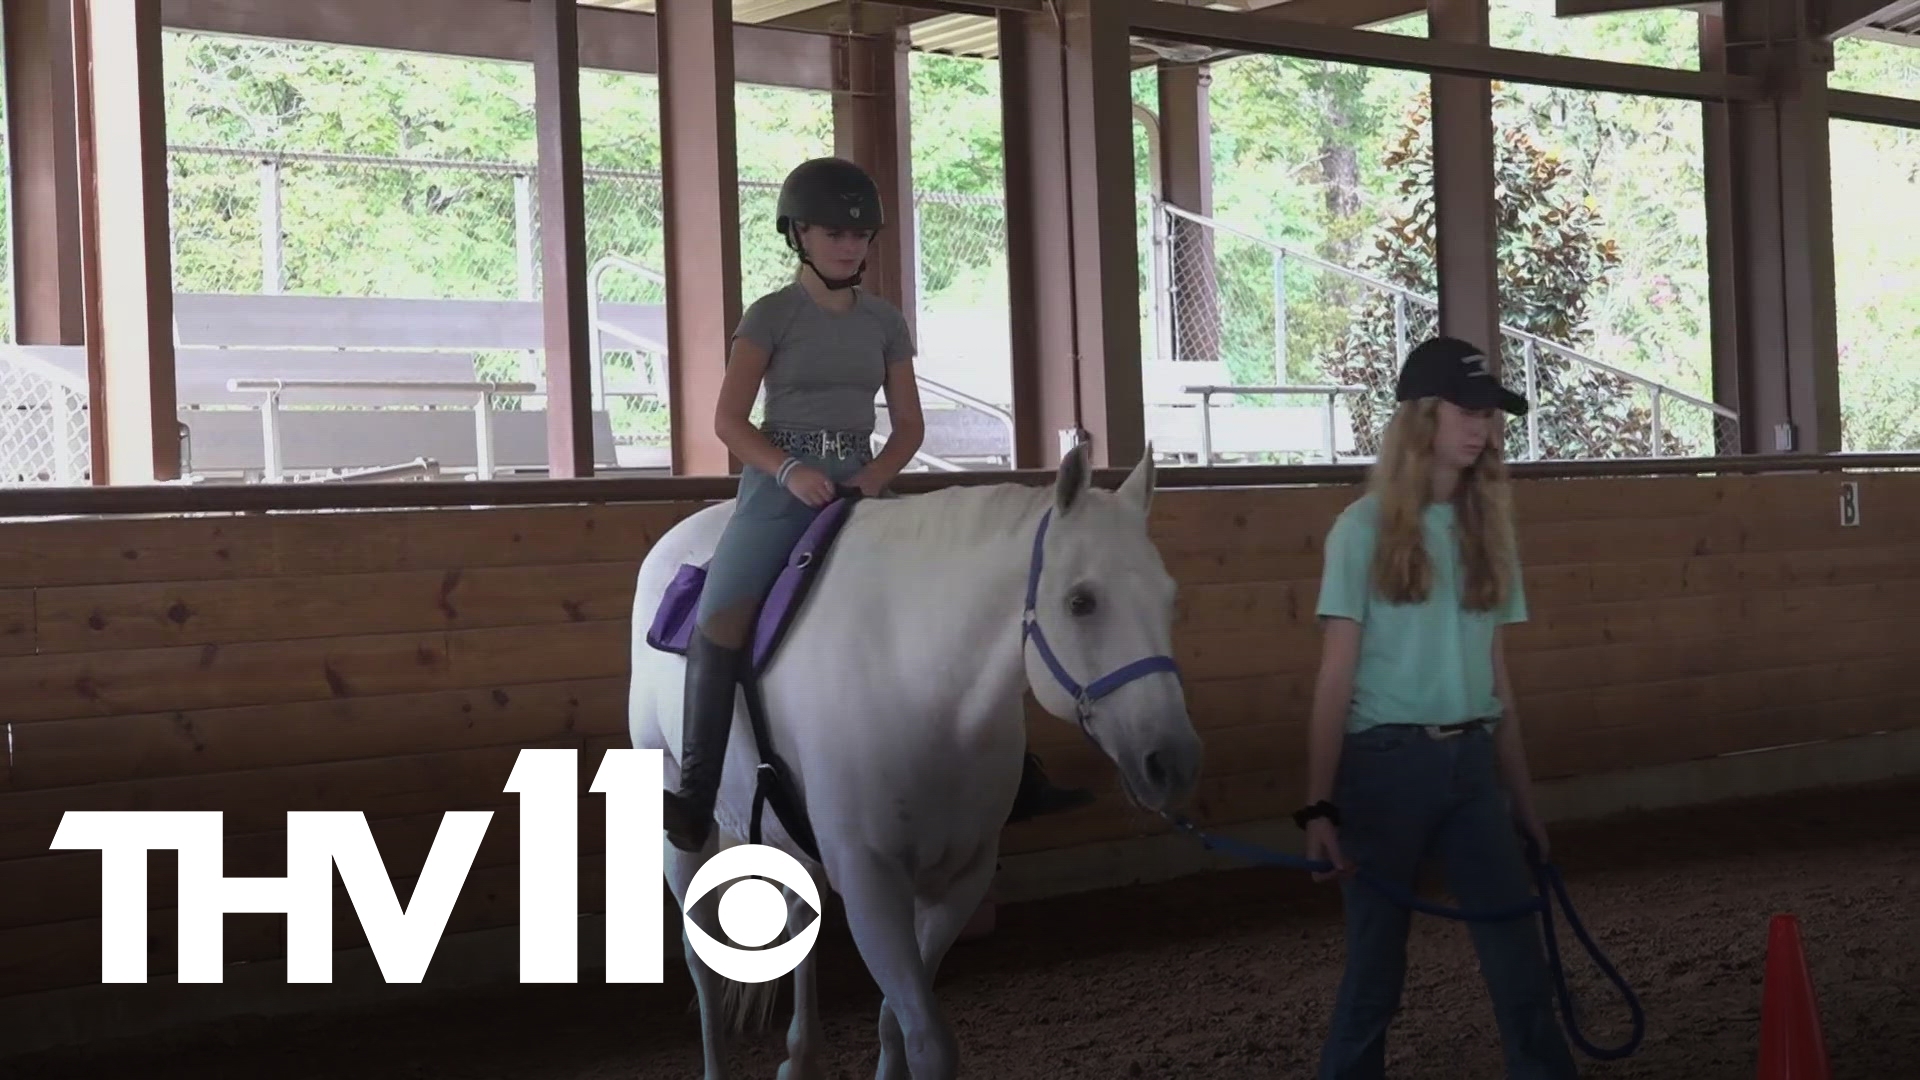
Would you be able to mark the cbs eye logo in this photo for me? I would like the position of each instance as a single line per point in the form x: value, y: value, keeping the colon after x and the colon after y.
x: 752, y: 912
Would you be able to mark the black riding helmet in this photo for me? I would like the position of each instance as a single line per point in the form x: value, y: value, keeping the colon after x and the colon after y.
x: 831, y: 193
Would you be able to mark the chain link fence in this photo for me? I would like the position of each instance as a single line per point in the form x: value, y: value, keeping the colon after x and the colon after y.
x: 1320, y: 342
x: 964, y: 331
x: 326, y: 224
x: 1307, y: 334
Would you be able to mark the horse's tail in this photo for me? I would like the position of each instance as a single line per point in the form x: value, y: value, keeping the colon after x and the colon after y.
x: 748, y: 1007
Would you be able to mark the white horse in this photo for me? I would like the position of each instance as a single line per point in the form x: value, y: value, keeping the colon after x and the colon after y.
x: 896, y: 701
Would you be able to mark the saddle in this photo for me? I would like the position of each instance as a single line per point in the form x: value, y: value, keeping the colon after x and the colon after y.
x: 672, y: 632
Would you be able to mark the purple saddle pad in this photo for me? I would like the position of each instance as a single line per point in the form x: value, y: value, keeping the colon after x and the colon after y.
x: 675, y: 617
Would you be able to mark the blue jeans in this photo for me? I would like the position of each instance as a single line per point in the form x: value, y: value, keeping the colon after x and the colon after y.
x: 1405, y: 795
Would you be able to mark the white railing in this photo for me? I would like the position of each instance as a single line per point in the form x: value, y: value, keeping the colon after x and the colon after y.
x: 597, y: 327
x: 1533, y: 345
x: 483, y: 393
x: 1329, y: 394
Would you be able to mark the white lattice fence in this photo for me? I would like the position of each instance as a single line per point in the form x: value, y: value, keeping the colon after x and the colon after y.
x: 43, y: 426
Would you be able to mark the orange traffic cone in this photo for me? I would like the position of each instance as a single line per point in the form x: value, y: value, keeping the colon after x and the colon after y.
x: 1791, y: 1045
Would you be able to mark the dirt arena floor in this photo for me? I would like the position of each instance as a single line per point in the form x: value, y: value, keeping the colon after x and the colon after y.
x: 1230, y: 975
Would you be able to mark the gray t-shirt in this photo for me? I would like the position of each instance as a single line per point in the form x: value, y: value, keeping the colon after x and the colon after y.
x: 826, y: 368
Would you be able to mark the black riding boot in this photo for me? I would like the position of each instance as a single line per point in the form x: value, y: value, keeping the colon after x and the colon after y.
x: 1038, y: 796
x: 712, y: 679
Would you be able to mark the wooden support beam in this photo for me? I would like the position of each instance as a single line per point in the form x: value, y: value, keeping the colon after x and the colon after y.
x: 1466, y: 213
x: 1874, y: 108
x: 872, y: 125
x: 1186, y: 181
x: 701, y: 196
x: 1770, y: 231
x: 1573, y: 9
x: 1257, y: 31
x: 1039, y: 273
x: 1105, y: 246
x: 1072, y: 279
x: 563, y: 237
x: 849, y: 17
x: 1352, y: 14
x: 43, y: 156
x: 131, y: 349
x: 610, y: 39
x: 879, y: 17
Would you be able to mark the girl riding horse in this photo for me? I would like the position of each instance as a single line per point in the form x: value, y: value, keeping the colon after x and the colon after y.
x: 823, y: 348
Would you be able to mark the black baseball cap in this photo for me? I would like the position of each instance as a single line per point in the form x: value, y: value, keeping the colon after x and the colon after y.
x: 1455, y: 371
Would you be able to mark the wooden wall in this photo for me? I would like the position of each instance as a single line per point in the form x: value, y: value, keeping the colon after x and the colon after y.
x: 394, y: 662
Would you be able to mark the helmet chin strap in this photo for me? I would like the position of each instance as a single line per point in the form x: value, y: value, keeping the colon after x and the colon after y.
x: 835, y: 284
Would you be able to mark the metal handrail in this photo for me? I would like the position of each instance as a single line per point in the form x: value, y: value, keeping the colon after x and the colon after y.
x: 1579, y: 357
x: 965, y: 401
x: 1658, y: 389
x: 1293, y: 253
x: 484, y: 393
x: 420, y: 466
x: 259, y: 385
x: 1207, y: 390
x: 961, y: 397
x: 595, y: 327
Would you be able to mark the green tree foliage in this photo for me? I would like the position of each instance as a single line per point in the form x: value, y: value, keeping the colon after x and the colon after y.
x: 1307, y: 153
x: 1553, y: 252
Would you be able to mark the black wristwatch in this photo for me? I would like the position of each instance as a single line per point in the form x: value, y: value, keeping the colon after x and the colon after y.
x: 1321, y: 809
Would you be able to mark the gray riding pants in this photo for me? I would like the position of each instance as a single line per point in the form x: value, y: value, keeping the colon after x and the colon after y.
x: 767, y: 521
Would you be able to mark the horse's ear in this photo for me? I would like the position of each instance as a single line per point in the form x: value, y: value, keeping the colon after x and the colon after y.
x: 1074, y: 477
x: 1138, y: 488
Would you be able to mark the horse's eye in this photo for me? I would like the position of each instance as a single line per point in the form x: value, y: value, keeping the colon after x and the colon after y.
x: 1080, y: 602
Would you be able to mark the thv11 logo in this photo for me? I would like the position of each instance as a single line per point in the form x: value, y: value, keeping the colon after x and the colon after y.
x: 752, y: 911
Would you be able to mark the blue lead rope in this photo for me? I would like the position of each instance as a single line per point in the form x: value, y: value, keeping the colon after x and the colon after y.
x: 1550, y: 883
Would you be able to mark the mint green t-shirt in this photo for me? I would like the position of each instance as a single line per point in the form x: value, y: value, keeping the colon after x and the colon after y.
x: 1425, y: 663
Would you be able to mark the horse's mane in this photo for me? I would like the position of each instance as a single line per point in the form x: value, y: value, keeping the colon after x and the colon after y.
x: 955, y: 517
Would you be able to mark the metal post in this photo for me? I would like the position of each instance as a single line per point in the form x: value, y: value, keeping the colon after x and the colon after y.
x: 523, y: 235
x: 270, y: 436
x: 483, y: 436
x: 596, y: 346
x: 1533, y: 401
x: 1332, y: 452
x: 1206, y: 428
x: 1161, y: 280
x: 273, y: 277
x: 1399, y: 328
x: 1655, y: 390
x: 63, y: 411
x: 919, y: 262
x: 527, y: 258
x: 1279, y: 318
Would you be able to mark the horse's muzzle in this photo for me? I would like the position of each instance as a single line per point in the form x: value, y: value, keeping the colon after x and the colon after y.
x: 1164, y: 776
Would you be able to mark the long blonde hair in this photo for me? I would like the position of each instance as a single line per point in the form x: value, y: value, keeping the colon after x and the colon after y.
x: 1401, y: 481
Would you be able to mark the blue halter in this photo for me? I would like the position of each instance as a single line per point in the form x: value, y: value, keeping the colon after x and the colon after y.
x: 1083, y: 696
